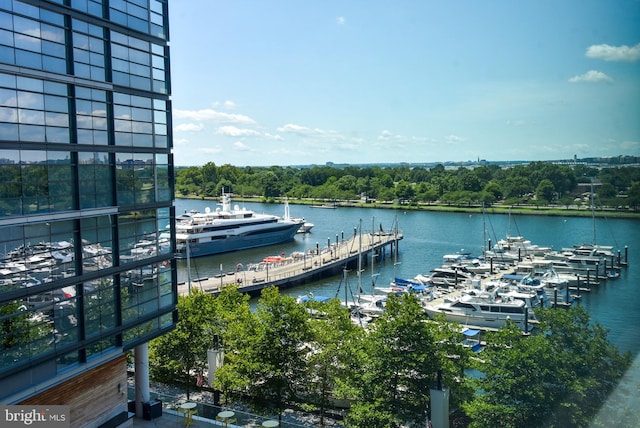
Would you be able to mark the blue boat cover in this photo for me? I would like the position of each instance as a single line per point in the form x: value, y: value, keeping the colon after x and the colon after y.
x: 304, y: 299
x: 470, y: 332
x: 514, y: 277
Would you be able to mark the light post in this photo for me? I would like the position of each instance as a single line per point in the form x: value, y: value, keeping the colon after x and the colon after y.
x: 215, y: 359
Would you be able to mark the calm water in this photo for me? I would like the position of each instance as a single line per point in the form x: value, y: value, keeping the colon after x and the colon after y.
x: 428, y: 236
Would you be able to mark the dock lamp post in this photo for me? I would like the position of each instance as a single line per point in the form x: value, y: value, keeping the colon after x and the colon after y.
x: 215, y: 359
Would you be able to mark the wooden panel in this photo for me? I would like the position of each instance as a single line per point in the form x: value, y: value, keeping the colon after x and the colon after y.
x: 93, y: 396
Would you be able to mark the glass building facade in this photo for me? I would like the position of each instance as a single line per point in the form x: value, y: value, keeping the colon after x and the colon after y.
x: 86, y: 186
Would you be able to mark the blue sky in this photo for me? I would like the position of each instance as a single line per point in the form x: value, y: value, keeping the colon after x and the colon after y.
x: 308, y: 82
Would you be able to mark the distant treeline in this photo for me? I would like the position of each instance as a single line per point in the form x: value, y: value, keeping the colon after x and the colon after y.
x: 537, y: 183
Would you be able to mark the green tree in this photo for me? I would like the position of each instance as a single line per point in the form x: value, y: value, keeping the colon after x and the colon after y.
x: 633, y: 199
x: 267, y: 360
x: 402, y: 356
x: 607, y: 194
x: 405, y: 191
x: 557, y: 378
x: 545, y: 192
x: 177, y: 355
x: 335, y: 350
x: 494, y: 188
x: 469, y: 181
x: 516, y: 186
x: 189, y: 180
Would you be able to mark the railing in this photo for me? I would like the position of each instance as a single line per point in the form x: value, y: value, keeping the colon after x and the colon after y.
x: 209, y: 411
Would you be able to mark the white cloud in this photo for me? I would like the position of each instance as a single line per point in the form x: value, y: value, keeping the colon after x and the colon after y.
x: 273, y: 137
x: 453, y: 139
x: 591, y: 76
x: 212, y: 115
x: 386, y: 136
x: 210, y: 150
x: 303, y: 131
x: 399, y: 140
x: 234, y: 131
x: 630, y: 146
x: 229, y: 105
x: 180, y: 141
x: 517, y: 122
x: 341, y: 20
x: 189, y: 127
x: 296, y: 129
x: 239, y: 145
x: 614, y: 53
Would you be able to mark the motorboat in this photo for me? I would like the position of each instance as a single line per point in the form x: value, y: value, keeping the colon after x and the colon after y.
x: 305, y: 227
x: 482, y: 309
x: 448, y: 277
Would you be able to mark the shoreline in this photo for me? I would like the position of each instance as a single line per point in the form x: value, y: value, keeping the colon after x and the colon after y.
x: 473, y: 209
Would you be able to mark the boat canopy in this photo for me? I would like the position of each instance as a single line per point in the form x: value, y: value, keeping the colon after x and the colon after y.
x: 307, y: 298
x: 513, y: 277
x: 470, y: 332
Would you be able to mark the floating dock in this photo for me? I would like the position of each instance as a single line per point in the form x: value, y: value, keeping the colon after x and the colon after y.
x: 299, y: 268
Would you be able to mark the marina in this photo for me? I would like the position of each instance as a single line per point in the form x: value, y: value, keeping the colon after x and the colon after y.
x: 300, y: 267
x: 427, y: 236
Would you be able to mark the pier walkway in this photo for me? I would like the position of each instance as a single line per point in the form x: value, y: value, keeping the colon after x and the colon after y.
x: 299, y: 268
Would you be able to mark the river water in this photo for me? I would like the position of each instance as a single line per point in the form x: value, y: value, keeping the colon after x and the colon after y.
x: 429, y: 235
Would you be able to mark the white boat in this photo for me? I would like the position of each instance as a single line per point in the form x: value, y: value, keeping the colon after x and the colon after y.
x: 555, y: 286
x: 457, y: 277
x: 371, y: 305
x: 468, y: 263
x: 305, y: 227
x: 227, y: 229
x: 482, y: 309
x: 540, y: 267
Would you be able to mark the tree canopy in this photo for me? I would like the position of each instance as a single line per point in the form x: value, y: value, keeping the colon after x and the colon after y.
x: 559, y: 377
x: 284, y: 354
x: 538, y: 183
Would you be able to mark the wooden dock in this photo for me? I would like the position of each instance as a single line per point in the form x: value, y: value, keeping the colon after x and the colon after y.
x: 299, y: 268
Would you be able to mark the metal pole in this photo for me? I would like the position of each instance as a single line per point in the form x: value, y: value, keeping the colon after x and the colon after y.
x: 188, y: 266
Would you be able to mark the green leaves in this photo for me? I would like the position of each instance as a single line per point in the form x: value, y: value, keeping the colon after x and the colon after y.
x: 559, y: 377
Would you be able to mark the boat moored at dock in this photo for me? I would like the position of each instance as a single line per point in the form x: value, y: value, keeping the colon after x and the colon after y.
x: 481, y: 308
x: 226, y: 229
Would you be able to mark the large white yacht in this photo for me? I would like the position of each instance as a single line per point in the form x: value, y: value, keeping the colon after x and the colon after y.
x: 227, y: 229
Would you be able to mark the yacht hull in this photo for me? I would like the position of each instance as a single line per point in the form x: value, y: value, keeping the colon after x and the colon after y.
x: 262, y: 238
